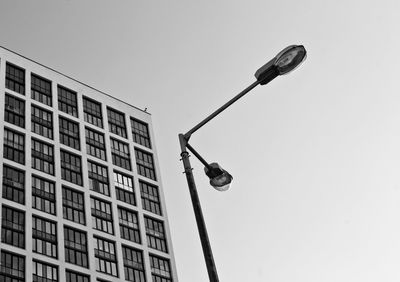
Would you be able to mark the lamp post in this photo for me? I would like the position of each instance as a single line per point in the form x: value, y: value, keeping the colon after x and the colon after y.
x: 286, y: 61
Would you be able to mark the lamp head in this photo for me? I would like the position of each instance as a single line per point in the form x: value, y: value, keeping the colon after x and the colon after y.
x: 286, y: 61
x: 220, y: 179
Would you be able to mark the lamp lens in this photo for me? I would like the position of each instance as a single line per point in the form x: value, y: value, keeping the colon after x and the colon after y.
x: 290, y: 58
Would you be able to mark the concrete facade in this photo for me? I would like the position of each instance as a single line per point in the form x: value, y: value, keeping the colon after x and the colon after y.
x: 157, y: 255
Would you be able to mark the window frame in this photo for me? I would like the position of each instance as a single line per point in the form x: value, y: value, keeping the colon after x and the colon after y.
x: 116, y: 122
x: 14, y: 151
x: 47, y: 240
x: 129, y: 225
x: 16, y: 227
x: 67, y: 100
x: 90, y: 113
x: 140, y: 132
x: 69, y: 135
x: 13, y: 184
x: 77, y: 208
x: 13, y: 81
x: 96, y: 146
x: 145, y: 164
x: 13, y: 112
x: 42, y: 124
x: 76, y: 248
x: 40, y: 92
x: 102, y: 217
x: 39, y: 159
x: 47, y: 199
x: 71, y: 171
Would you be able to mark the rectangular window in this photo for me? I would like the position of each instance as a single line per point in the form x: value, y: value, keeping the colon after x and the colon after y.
x: 67, y: 101
x: 145, y: 164
x: 42, y: 122
x: 101, y: 215
x: 73, y: 276
x: 76, y: 250
x: 105, y: 256
x: 150, y: 198
x: 13, y: 227
x: 98, y: 178
x: 44, y: 237
x: 13, y: 184
x: 120, y: 154
x: 124, y: 188
x: 14, y: 111
x: 140, y: 133
x: 95, y: 145
x: 42, y: 156
x: 43, y: 195
x: 129, y: 225
x: 116, y: 122
x: 12, y: 267
x: 92, y: 112
x: 71, y: 168
x: 133, y: 265
x: 69, y: 133
x: 160, y: 269
x: 155, y: 234
x: 41, y: 90
x: 73, y: 205
x: 14, y: 146
x: 15, y: 78
x: 43, y: 272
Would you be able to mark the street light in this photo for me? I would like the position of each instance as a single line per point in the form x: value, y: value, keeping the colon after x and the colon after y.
x: 283, y: 63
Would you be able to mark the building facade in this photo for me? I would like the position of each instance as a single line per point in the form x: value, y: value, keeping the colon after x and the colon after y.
x: 81, y: 197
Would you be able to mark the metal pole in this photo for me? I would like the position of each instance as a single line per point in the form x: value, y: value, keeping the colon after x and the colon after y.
x: 201, y: 225
x: 223, y: 107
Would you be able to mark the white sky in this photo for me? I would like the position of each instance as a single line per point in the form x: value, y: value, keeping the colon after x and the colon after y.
x: 315, y: 154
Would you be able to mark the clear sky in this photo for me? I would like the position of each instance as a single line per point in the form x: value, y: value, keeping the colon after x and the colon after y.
x: 315, y: 155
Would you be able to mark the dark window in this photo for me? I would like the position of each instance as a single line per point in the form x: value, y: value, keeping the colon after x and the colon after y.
x: 145, y: 164
x: 42, y: 122
x: 67, y: 101
x: 73, y: 276
x: 98, y: 178
x: 101, y: 215
x: 73, y: 205
x: 76, y: 250
x: 120, y: 154
x: 71, y: 168
x: 12, y: 267
x: 14, y: 146
x: 13, y: 227
x: 116, y: 122
x: 150, y: 198
x: 41, y: 90
x: 42, y: 156
x: 15, y: 78
x: 124, y: 188
x: 43, y: 272
x: 44, y: 237
x: 95, y: 145
x: 13, y: 184
x: 105, y: 256
x: 14, y: 111
x: 43, y: 195
x: 160, y: 269
x: 92, y: 112
x: 155, y: 234
x: 129, y: 225
x: 140, y: 133
x: 133, y: 264
x: 69, y: 133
